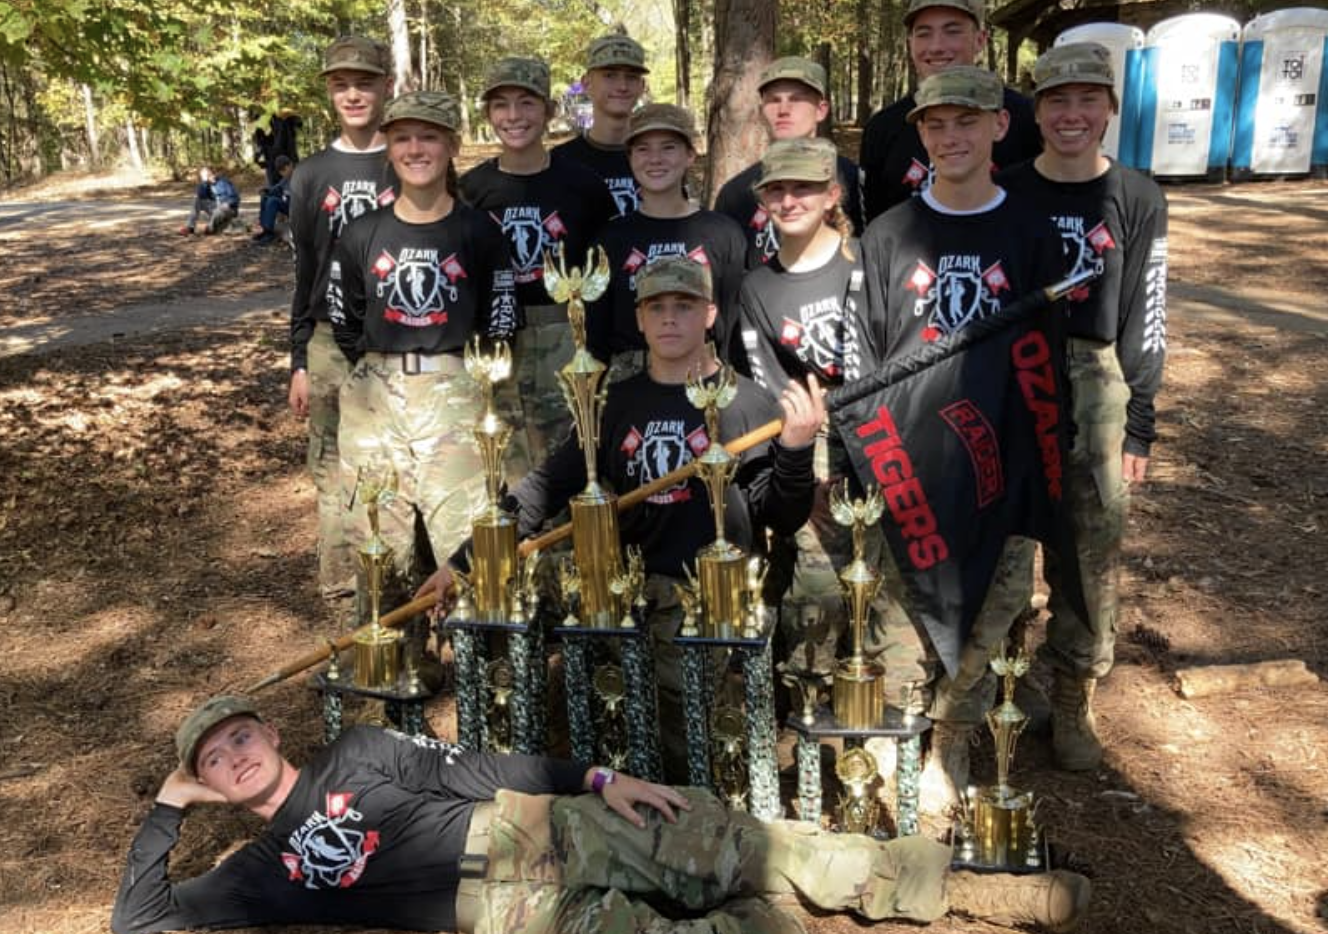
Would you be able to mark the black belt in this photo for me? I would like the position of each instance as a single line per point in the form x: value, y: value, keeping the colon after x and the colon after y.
x: 413, y: 362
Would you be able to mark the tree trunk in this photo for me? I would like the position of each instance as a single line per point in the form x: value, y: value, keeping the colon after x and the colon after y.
x: 90, y: 120
x: 826, y: 59
x: 399, y: 28
x: 744, y: 45
x: 425, y: 83
x: 131, y: 139
x: 866, y: 62
x: 682, y: 21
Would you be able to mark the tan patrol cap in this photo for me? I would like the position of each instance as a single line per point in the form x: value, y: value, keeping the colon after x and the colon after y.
x: 803, y: 70
x: 674, y: 274
x: 211, y: 713
x: 798, y: 160
x: 668, y: 117
x: 436, y: 107
x: 356, y: 53
x: 616, y: 51
x: 529, y: 74
x: 1075, y: 63
x: 962, y: 86
x: 973, y: 8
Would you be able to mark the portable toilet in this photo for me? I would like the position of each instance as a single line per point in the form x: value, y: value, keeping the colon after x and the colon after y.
x: 1282, y: 113
x: 1187, y: 103
x: 1124, y: 43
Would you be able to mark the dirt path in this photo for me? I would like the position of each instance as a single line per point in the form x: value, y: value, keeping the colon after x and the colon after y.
x: 156, y: 536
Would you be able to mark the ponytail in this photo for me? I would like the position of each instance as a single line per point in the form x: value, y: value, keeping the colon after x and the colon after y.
x: 837, y: 218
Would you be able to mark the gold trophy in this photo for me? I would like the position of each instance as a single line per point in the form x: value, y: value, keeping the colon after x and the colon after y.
x: 377, y: 650
x: 859, y: 810
x: 728, y: 585
x: 494, y: 528
x: 594, y: 512
x: 859, y: 686
x: 729, y: 754
x: 998, y: 828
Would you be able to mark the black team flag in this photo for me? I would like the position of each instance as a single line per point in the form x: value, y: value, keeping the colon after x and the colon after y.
x: 967, y: 440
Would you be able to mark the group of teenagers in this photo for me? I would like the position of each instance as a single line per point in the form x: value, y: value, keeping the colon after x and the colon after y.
x: 809, y: 272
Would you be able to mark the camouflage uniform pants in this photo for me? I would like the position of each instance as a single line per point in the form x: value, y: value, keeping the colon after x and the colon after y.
x: 1098, y: 500
x: 570, y: 865
x: 967, y: 695
x: 421, y: 425
x: 327, y: 371
x: 533, y: 402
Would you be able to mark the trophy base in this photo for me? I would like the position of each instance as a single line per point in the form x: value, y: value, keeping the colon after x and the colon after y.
x: 1003, y: 836
x: 859, y: 693
x: 377, y: 659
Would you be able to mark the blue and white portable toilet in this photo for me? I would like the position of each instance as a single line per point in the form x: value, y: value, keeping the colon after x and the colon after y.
x: 1282, y: 114
x: 1124, y: 43
x: 1188, y: 100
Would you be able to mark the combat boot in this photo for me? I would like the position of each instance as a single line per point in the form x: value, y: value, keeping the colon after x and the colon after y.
x: 1052, y: 900
x: 1073, y: 730
x: 945, y: 776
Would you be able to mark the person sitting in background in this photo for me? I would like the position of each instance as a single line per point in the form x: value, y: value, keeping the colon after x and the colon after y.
x: 227, y: 204
x: 205, y: 201
x: 275, y: 202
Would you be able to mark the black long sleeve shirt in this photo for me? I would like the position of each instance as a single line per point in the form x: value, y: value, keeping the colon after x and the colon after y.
x: 328, y: 190
x: 631, y: 242
x: 1115, y: 224
x: 370, y: 835
x: 396, y: 287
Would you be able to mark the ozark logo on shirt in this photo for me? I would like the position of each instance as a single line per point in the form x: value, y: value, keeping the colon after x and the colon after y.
x: 662, y: 446
x: 819, y: 338
x: 355, y: 198
x: 329, y: 850
x: 639, y: 258
x: 418, y: 285
x: 626, y: 196
x: 958, y: 291
x: 1084, y: 251
x: 531, y: 233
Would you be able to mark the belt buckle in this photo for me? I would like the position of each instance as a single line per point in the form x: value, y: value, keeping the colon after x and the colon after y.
x: 473, y: 866
x: 410, y: 364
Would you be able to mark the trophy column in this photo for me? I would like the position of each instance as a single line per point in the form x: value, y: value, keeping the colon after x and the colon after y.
x: 729, y: 749
x: 602, y: 594
x: 496, y: 699
x: 858, y: 710
x: 996, y: 830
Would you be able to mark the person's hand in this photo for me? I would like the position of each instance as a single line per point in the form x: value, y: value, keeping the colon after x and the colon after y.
x: 624, y: 793
x: 804, y: 412
x: 182, y: 791
x: 299, y: 393
x: 441, y: 584
x: 1134, y: 468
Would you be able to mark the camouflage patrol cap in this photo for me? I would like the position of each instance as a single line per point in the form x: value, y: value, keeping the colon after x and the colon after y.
x: 1074, y: 63
x: 669, y: 117
x: 436, y: 107
x: 972, y: 7
x: 616, y: 51
x: 529, y: 74
x: 674, y: 274
x: 211, y: 713
x: 798, y: 160
x: 962, y: 86
x: 356, y: 53
x: 803, y: 70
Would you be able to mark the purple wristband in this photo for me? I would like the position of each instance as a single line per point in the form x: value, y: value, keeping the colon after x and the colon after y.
x: 601, y: 778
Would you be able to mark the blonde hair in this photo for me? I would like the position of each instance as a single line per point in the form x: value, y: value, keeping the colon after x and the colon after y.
x: 838, y: 218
